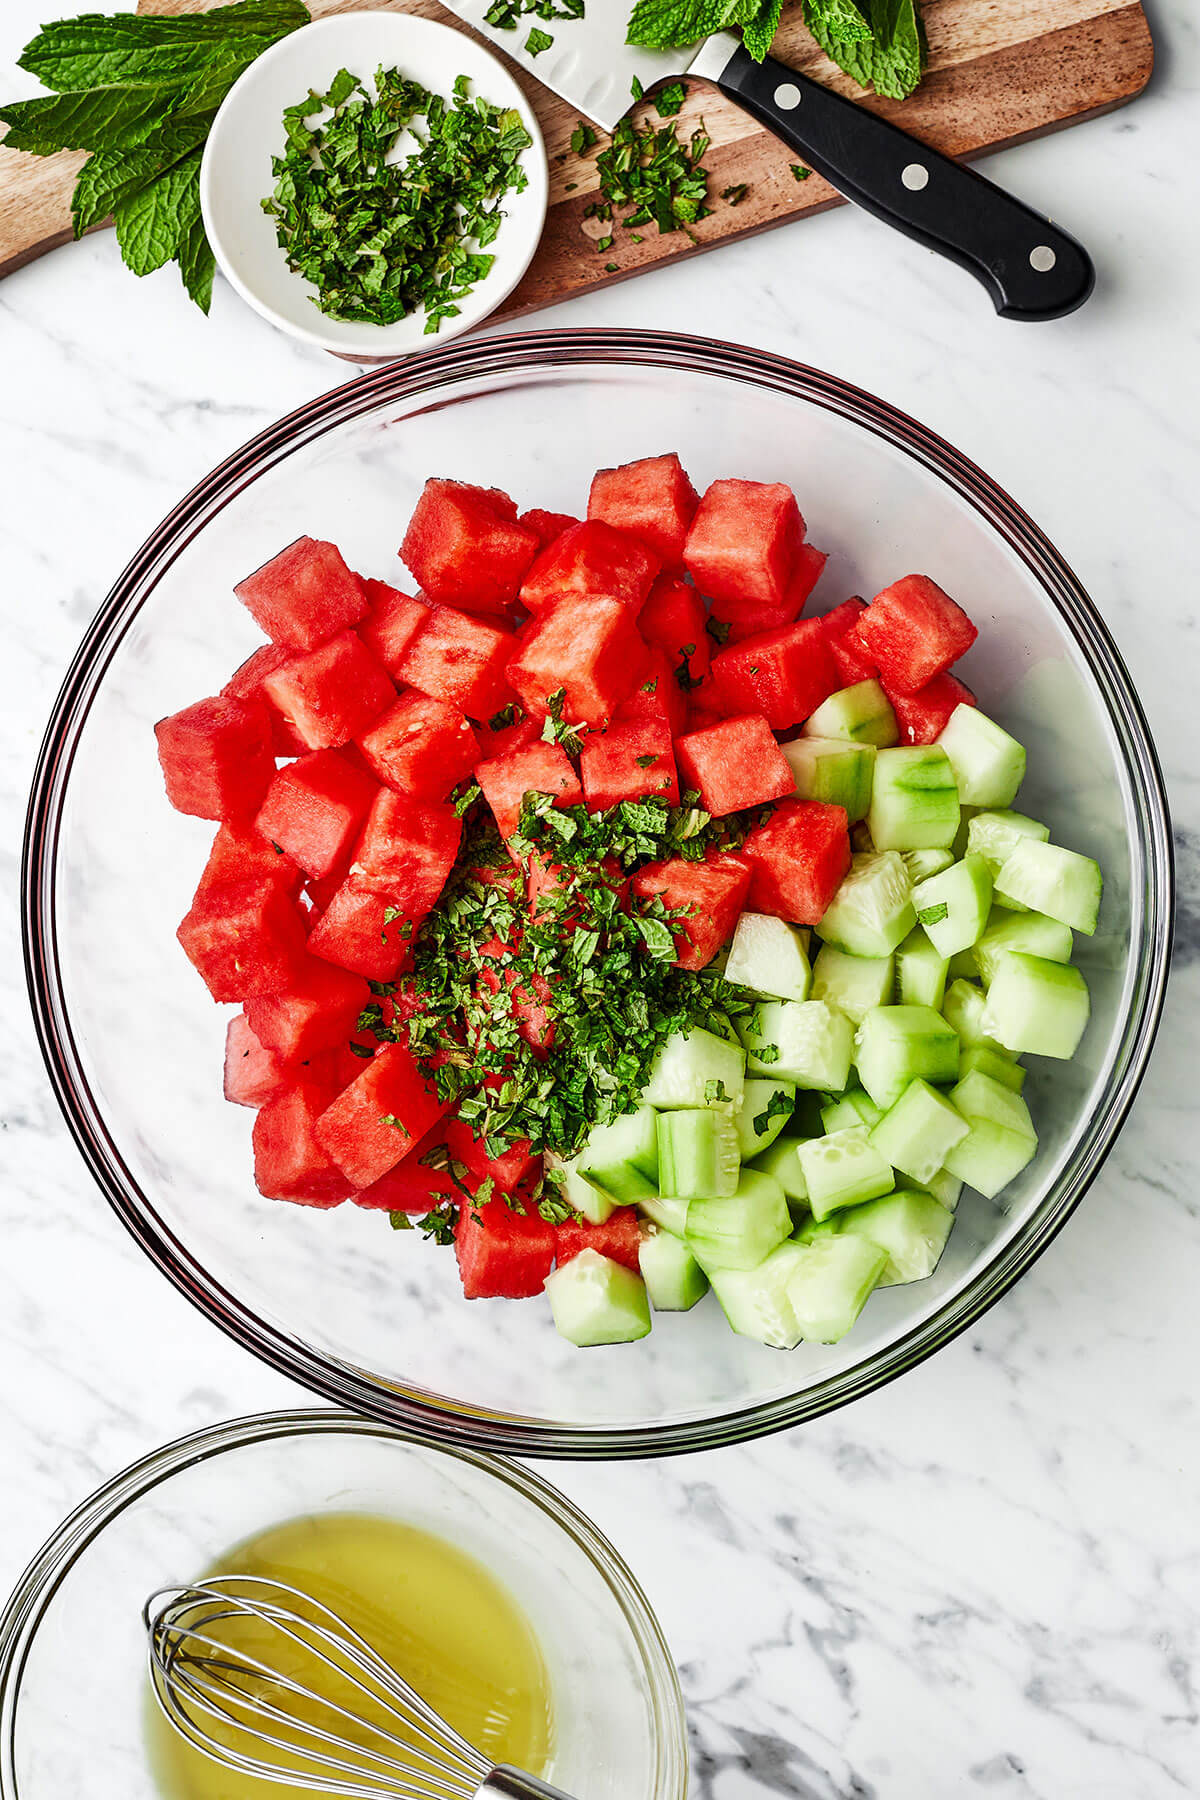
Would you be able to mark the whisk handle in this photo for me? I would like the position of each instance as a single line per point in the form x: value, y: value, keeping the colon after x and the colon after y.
x: 513, y: 1784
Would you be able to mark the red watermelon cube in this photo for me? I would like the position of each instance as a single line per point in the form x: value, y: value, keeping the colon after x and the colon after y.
x: 674, y: 621
x: 246, y: 683
x: 732, y: 764
x: 392, y: 623
x: 657, y: 696
x: 619, y: 1238
x: 630, y: 761
x: 784, y: 675
x: 318, y: 1009
x: 216, y: 757
x: 460, y: 658
x: 547, y: 525
x: 797, y: 860
x: 376, y: 1120
x: 502, y: 1254
x: 510, y: 1171
x: 305, y: 595
x: 408, y: 848
x: 744, y: 541
x: 586, y: 649
x: 421, y: 746
x: 845, y: 643
x: 253, y: 1074
x: 914, y: 631
x: 537, y: 769
x: 651, y: 499
x: 704, y: 705
x: 364, y: 929
x: 244, y: 937
x: 466, y: 548
x: 239, y: 854
x: 419, y: 1182
x: 314, y: 808
x: 594, y: 561
x: 330, y: 694
x: 741, y: 620
x: 507, y: 730
x: 289, y: 1162
x: 923, y: 716
x: 710, y: 896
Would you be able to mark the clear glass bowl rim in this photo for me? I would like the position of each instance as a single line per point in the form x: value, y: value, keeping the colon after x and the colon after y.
x: 22, y: 1616
x: 1152, y: 905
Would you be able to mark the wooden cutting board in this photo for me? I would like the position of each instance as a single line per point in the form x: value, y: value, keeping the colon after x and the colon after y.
x: 1000, y: 71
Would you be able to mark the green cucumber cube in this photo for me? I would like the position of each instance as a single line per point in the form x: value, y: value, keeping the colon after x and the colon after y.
x: 854, y: 984
x: 921, y: 864
x: 988, y: 764
x: 697, y: 1153
x: 834, y: 771
x: 843, y: 1169
x: 991, y: 1060
x: 597, y: 1301
x: 1048, y: 879
x: 755, y: 1301
x: 995, y: 835
x: 861, y: 714
x: 953, y: 908
x: 965, y: 965
x: 855, y: 1107
x: 920, y: 972
x: 911, y: 1226
x: 740, y: 1232
x: 765, y: 1110
x: 914, y: 800
x: 810, y: 1229
x: 963, y: 1009
x: 805, y: 1042
x: 945, y: 1188
x: 1001, y: 1140
x: 872, y: 910
x: 832, y: 1284
x: 1037, y: 1005
x: 622, y: 1156
x: 896, y: 1044
x: 768, y: 956
x: 696, y: 1068
x: 583, y: 1195
x: 782, y: 1163
x: 1029, y: 931
x: 668, y: 1215
x: 918, y: 1132
x: 674, y: 1279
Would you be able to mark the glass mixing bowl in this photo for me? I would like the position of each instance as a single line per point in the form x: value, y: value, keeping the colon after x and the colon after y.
x: 73, y: 1649
x: 374, y: 1319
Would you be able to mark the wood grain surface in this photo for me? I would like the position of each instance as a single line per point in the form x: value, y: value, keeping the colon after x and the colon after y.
x: 1000, y: 71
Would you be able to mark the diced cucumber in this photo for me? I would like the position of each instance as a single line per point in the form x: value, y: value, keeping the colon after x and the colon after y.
x: 855, y: 1107
x: 988, y: 764
x: 806, y: 1042
x: 963, y: 1009
x: 782, y: 1163
x: 767, y: 955
x: 921, y: 864
x: 862, y: 714
x: 896, y: 1044
x: 1048, y: 879
x: 674, y: 1279
x: 920, y: 972
x: 740, y: 1232
x: 765, y: 1110
x: 945, y: 1188
x: 914, y: 802
x: 597, y: 1301
x: 668, y: 1215
x: 918, y: 1132
x: 1000, y: 1064
x: 755, y: 1301
x: 953, y: 907
x: 832, y: 1284
x: 580, y: 1193
x: 854, y: 984
x: 910, y: 1225
x: 810, y: 1229
x: 843, y: 1169
x: 963, y: 966
x: 1032, y: 932
x: 872, y: 910
x: 1036, y: 1005
x: 622, y: 1156
x: 697, y: 1153
x: 696, y: 1068
x: 1001, y: 1139
x: 995, y: 835
x: 834, y: 771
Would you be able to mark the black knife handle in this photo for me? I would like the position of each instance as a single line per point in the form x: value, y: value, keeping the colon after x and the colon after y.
x: 1032, y: 269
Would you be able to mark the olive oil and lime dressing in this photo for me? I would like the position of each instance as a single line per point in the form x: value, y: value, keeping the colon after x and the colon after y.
x: 431, y: 1611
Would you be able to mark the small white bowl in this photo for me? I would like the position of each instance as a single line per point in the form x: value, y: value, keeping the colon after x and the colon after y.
x: 235, y: 175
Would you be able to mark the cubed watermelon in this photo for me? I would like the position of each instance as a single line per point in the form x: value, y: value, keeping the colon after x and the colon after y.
x: 510, y: 1171
x: 923, y: 716
x: 741, y: 620
x: 586, y: 650
x: 674, y: 621
x: 744, y: 541
x: 379, y: 1117
x: 651, y: 499
x: 408, y: 848
x: 594, y: 562
x: 289, y: 1162
x: 421, y: 746
x: 330, y: 694
x: 537, y: 769
x: 253, y: 1074
x: 314, y: 807
x: 704, y: 705
x: 784, y: 675
x: 619, y: 1238
x: 419, y: 1182
x: 246, y: 683
x: 466, y: 548
x: 392, y: 623
x: 305, y: 595
x: 845, y: 643
x: 629, y: 761
x: 712, y: 892
x: 914, y: 631
x: 319, y: 1009
x: 239, y: 853
x: 657, y: 696
x: 460, y: 658
x: 364, y: 929
x: 798, y: 860
x: 509, y: 729
x: 216, y: 757
x: 732, y: 764
x: 244, y: 937
x: 547, y: 525
x: 502, y: 1254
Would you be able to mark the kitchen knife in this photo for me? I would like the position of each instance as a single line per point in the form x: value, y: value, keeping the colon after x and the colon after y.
x: 1031, y: 268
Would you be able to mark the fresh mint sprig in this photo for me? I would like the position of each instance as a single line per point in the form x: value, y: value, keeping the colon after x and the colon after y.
x: 879, y: 42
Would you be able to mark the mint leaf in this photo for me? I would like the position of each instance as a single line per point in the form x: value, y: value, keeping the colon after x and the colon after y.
x: 759, y: 32
x: 675, y: 24
x: 878, y: 42
x: 197, y: 266
x: 111, y: 175
x: 933, y: 915
x: 109, y: 119
x: 152, y: 221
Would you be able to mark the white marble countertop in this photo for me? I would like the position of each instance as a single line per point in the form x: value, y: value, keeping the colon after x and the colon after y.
x: 985, y: 1578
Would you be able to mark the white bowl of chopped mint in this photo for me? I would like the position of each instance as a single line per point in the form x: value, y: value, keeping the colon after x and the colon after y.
x: 375, y: 184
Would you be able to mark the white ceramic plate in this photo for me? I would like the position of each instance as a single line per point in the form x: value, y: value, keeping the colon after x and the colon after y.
x: 235, y: 174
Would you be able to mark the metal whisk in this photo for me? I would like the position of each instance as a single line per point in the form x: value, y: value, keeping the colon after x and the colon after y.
x: 379, y: 1740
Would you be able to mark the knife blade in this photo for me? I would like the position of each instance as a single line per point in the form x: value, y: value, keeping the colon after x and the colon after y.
x: 1032, y: 269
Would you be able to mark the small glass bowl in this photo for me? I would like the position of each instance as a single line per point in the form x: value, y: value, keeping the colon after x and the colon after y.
x: 73, y: 1650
